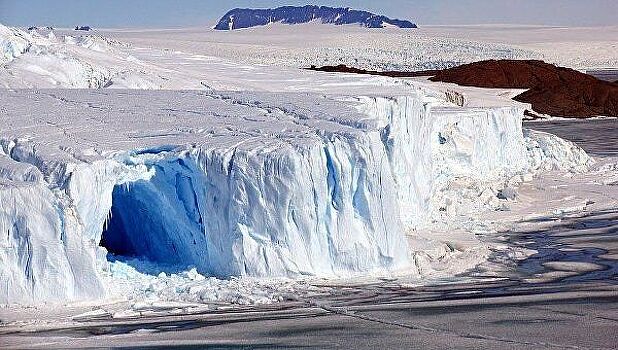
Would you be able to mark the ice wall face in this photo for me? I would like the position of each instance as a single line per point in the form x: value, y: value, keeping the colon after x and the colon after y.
x: 321, y: 209
x: 13, y: 43
x: 433, y: 149
x: 42, y: 259
x: 235, y: 184
x: 49, y: 251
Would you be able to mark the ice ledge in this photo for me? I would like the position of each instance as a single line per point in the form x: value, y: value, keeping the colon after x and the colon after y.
x: 236, y: 183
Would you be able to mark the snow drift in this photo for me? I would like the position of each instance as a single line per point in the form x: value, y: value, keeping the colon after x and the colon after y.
x: 31, y: 60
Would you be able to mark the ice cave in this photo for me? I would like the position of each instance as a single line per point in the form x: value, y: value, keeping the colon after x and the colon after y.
x: 134, y: 229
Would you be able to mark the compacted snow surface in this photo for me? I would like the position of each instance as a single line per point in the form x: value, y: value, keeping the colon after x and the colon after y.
x: 269, y: 174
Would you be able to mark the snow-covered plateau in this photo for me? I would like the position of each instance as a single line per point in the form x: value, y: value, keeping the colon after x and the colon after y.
x: 428, y: 47
x: 237, y: 170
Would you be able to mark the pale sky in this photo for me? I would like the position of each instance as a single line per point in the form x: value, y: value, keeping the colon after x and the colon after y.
x: 172, y: 13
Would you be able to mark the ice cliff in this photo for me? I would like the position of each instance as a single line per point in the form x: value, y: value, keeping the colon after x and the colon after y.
x: 13, y: 43
x: 237, y: 184
x: 32, y: 60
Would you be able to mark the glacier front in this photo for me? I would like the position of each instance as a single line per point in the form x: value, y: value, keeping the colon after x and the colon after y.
x: 235, y: 183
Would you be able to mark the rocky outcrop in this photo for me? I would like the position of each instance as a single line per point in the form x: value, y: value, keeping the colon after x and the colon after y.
x: 551, y: 90
x: 342, y: 68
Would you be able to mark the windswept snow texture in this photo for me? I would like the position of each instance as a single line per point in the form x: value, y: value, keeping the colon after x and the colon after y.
x: 246, y: 18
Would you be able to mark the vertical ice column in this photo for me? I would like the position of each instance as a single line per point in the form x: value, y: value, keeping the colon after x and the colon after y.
x: 322, y: 208
x: 429, y: 145
x: 43, y: 255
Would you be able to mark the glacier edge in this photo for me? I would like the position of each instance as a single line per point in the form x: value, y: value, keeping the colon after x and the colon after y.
x: 335, y: 204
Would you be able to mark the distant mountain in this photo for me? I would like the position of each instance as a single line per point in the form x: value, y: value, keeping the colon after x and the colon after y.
x: 246, y: 18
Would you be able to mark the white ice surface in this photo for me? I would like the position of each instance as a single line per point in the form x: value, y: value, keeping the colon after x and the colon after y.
x: 428, y: 47
x: 293, y: 173
x: 191, y: 58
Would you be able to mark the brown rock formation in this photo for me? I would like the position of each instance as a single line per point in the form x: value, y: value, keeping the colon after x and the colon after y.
x: 552, y: 90
x: 342, y: 68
